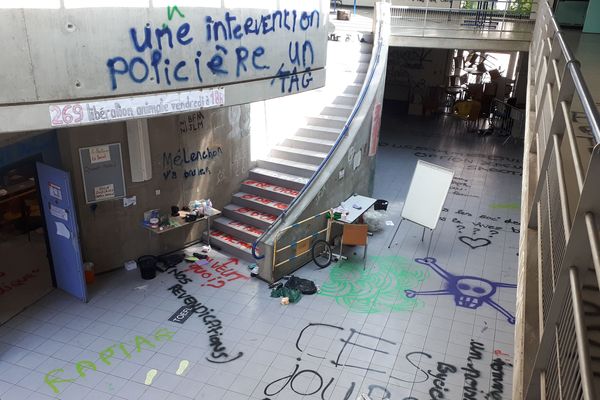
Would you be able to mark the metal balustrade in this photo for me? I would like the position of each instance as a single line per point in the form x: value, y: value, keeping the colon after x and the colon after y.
x: 562, y: 202
x: 466, y: 16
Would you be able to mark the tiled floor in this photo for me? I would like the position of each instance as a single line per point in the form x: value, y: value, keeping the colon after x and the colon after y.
x: 361, y: 334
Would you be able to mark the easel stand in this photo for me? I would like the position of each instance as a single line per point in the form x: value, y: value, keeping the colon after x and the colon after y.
x: 422, y: 236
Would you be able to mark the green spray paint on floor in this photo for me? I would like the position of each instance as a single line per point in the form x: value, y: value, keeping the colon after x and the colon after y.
x: 379, y: 288
x: 513, y: 206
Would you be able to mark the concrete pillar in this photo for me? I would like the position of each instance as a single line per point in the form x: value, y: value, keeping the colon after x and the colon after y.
x: 521, y: 79
x: 592, y: 18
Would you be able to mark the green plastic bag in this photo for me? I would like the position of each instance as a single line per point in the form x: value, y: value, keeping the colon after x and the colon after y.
x: 292, y: 294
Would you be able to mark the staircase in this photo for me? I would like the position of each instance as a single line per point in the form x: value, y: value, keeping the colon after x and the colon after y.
x: 279, y: 177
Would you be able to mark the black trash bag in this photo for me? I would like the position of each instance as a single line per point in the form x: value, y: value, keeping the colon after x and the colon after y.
x: 305, y: 286
x: 169, y: 261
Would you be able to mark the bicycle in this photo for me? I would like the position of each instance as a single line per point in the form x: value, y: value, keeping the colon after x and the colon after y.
x: 321, y: 251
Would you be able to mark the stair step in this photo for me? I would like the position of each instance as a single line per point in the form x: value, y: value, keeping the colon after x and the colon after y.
x: 249, y: 216
x: 326, y: 121
x: 269, y: 190
x: 366, y: 48
x: 278, y: 178
x: 337, y: 110
x: 360, y: 77
x: 353, y: 88
x: 365, y: 58
x: 239, y: 229
x: 232, y: 245
x: 287, y: 166
x: 346, y: 99
x: 300, y: 155
x: 309, y: 143
x: 319, y: 132
x: 259, y: 203
x: 362, y: 67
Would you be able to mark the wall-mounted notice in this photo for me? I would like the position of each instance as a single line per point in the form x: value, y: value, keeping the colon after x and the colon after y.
x: 99, y: 154
x: 102, y: 172
x: 104, y: 192
x: 55, y: 191
x: 135, y: 107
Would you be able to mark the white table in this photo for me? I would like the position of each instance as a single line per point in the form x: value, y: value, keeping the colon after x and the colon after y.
x: 354, y: 213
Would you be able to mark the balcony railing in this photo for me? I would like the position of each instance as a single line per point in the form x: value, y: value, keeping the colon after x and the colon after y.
x: 561, y: 205
x: 502, y: 19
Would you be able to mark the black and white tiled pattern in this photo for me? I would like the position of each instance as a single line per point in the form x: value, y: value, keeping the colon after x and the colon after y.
x: 327, y: 346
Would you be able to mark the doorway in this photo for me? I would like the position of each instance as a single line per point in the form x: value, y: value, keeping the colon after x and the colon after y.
x: 25, y: 271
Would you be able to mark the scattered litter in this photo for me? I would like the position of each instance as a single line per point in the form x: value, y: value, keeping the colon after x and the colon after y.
x: 252, y: 266
x: 254, y: 271
x: 191, y: 259
x: 200, y: 256
x: 375, y: 220
x: 143, y: 287
x: 205, y: 249
x: 285, y: 301
x: 389, y: 223
x: 292, y: 295
x: 130, y: 265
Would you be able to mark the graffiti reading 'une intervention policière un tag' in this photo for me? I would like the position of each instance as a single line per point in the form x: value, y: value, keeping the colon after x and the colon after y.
x: 228, y: 57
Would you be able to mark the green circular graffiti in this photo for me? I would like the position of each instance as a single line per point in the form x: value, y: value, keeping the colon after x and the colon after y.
x: 378, y: 288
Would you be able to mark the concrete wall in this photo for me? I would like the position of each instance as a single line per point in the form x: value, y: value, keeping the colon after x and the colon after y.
x: 112, y: 234
x: 66, y: 55
x: 352, y: 156
x: 77, y: 53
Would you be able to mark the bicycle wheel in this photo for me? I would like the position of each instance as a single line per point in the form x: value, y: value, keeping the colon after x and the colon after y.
x: 321, y: 253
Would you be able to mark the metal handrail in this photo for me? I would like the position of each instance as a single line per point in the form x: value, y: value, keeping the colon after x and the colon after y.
x: 574, y: 68
x: 371, y: 72
x: 483, y: 17
x: 557, y: 80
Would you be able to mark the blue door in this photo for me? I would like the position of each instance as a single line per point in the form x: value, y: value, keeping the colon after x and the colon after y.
x: 63, y: 235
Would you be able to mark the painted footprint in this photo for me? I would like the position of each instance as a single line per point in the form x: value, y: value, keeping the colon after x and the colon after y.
x: 183, y: 365
x: 150, y: 376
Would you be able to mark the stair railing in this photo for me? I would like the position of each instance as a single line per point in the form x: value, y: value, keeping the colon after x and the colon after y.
x: 561, y: 212
x: 343, y: 134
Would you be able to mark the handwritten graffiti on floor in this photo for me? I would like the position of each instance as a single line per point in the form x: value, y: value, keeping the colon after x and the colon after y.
x: 306, y: 382
x: 375, y: 289
x: 220, y: 274
x: 6, y: 287
x: 468, y: 291
x: 469, y: 161
x: 213, y: 325
x: 472, y: 226
x: 127, y: 350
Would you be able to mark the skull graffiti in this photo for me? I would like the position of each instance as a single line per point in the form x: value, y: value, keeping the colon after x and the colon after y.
x: 468, y: 291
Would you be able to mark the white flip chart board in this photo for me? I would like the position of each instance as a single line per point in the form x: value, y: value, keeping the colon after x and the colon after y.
x: 427, y: 193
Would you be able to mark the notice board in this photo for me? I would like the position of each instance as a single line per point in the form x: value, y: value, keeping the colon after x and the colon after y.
x: 102, y: 172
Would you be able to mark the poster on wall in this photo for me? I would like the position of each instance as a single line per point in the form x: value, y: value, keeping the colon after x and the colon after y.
x: 102, y: 172
x: 375, y: 127
x: 135, y: 107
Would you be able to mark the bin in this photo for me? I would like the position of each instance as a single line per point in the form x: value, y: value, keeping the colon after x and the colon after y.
x: 381, y: 205
x: 88, y: 268
x: 147, y: 265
